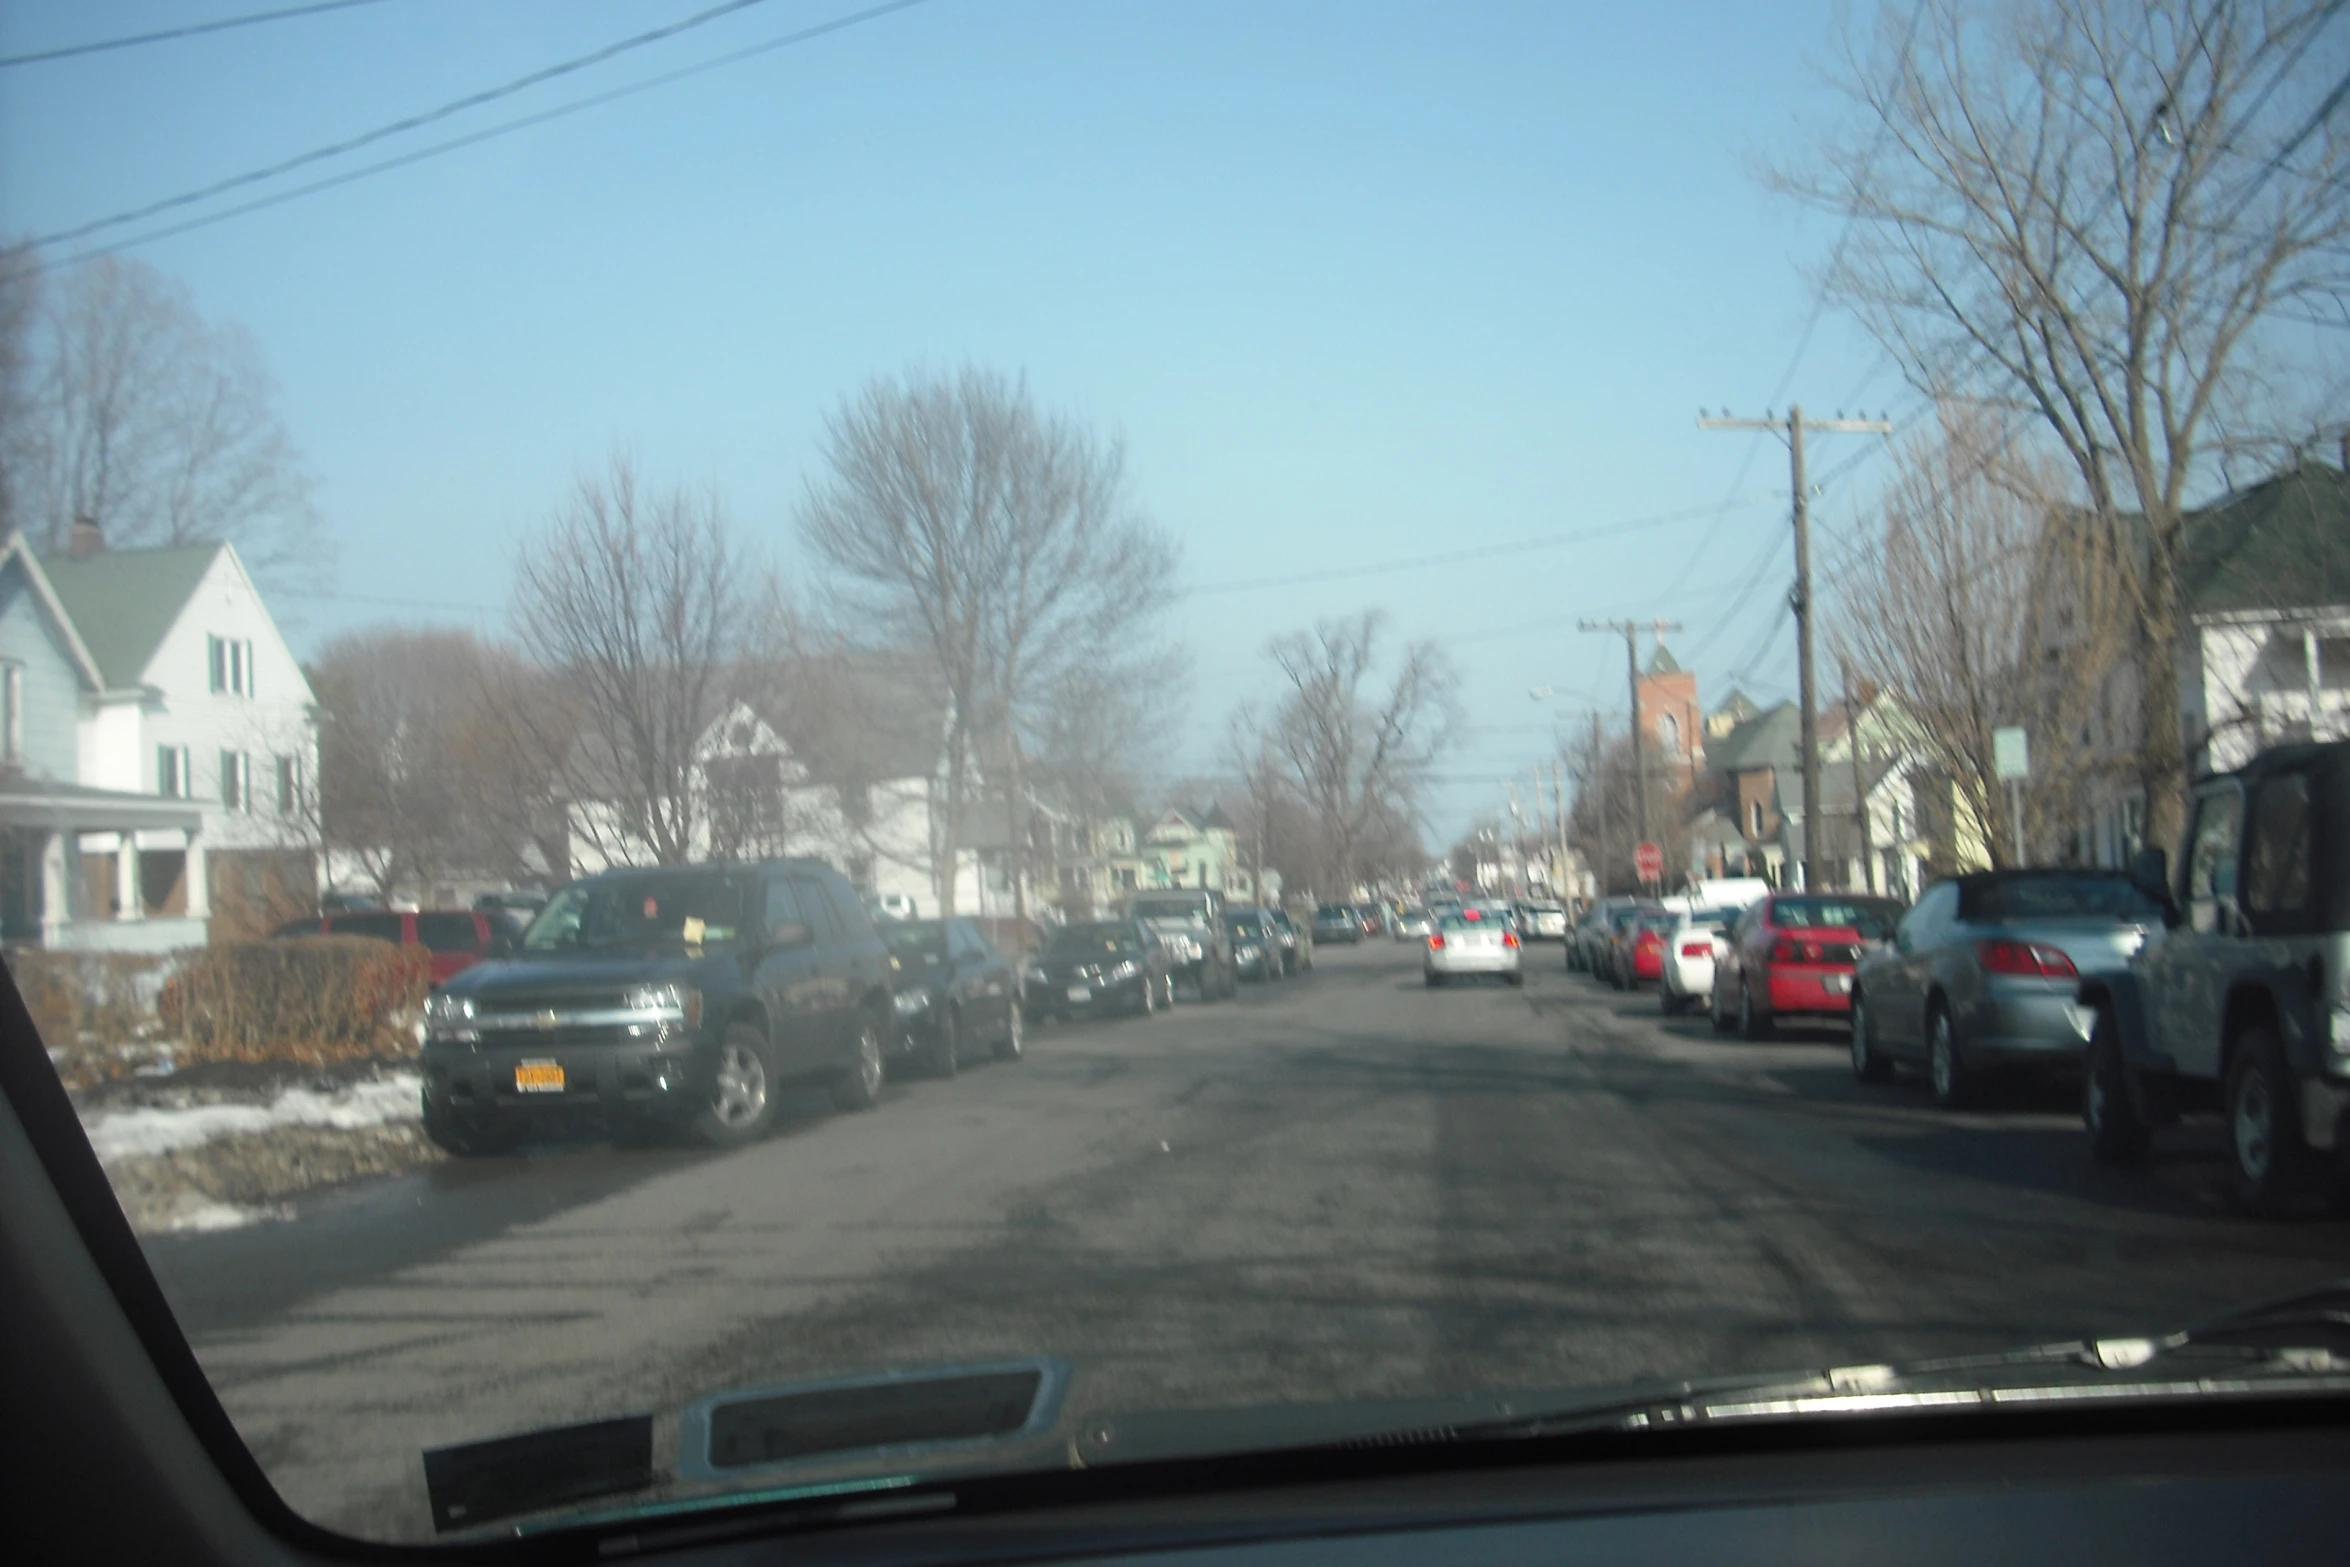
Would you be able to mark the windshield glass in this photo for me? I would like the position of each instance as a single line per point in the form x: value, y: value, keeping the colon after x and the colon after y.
x: 1868, y: 918
x: 694, y: 909
x: 2061, y: 897
x: 1077, y: 941
x: 915, y: 942
x: 905, y: 529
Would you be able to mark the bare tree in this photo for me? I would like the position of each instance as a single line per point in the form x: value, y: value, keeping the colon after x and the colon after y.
x: 2089, y: 210
x: 141, y: 417
x: 959, y: 519
x: 639, y: 604
x: 1359, y: 755
x: 1984, y: 604
x: 20, y: 292
x: 419, y: 774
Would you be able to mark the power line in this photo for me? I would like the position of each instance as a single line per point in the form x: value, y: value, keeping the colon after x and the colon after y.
x: 525, y: 122
x: 191, y: 30
x: 399, y: 127
x: 1453, y: 557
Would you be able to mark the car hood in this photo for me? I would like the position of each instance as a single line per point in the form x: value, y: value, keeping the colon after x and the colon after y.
x: 557, y: 975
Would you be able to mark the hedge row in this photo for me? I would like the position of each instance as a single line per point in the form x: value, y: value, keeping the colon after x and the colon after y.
x: 329, y: 998
x: 326, y: 998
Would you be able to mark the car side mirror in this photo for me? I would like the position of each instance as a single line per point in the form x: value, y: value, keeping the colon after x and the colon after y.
x: 791, y: 933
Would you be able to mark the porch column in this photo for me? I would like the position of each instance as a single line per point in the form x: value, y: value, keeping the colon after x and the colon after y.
x: 199, y: 880
x: 128, y: 905
x: 56, y: 890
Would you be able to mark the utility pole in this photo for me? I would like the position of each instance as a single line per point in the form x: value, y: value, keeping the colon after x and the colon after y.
x: 1793, y: 427
x: 1599, y: 778
x: 1631, y: 631
x: 1558, y: 802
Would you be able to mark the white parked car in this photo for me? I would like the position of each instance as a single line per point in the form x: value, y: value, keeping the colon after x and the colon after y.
x: 1472, y: 942
x: 1696, y: 941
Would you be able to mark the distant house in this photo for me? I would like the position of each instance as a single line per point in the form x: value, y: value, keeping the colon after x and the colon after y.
x: 165, y: 749
x: 1751, y: 822
x: 1195, y: 847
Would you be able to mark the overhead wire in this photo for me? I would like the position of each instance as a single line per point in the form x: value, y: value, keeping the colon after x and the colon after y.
x: 491, y: 133
x: 1451, y: 557
x: 398, y: 127
x: 169, y: 34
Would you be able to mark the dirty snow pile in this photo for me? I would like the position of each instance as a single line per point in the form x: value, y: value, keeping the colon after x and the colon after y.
x: 210, y: 1163
x: 125, y: 1134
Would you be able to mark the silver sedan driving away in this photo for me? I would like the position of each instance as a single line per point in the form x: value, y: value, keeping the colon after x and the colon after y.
x: 1472, y: 942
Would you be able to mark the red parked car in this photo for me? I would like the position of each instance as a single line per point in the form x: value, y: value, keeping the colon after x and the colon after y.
x: 1791, y: 956
x: 456, y: 938
x: 1644, y: 946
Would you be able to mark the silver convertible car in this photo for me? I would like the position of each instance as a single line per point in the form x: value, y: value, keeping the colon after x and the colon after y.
x: 1982, y: 972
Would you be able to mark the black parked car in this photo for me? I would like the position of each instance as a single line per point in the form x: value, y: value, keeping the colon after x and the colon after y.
x: 955, y: 992
x: 1256, y: 944
x: 1104, y: 968
x: 1338, y: 922
x: 649, y: 1000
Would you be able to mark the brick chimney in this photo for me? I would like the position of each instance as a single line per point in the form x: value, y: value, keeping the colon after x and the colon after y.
x: 86, y: 538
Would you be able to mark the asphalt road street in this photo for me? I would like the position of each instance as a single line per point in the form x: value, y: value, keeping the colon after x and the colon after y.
x: 1341, y: 1187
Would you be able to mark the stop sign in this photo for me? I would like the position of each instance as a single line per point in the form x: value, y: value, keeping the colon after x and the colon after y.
x: 1648, y: 862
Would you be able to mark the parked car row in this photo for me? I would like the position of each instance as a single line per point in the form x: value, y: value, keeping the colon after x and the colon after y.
x: 2220, y: 984
x: 686, y: 999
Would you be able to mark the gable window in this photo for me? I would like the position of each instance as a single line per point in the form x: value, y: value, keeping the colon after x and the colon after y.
x: 171, y: 772
x: 1754, y: 818
x: 232, y: 664
x: 11, y: 712
x: 289, y: 785
x: 236, y: 780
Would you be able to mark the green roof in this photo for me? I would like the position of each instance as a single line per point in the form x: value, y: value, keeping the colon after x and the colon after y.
x: 123, y: 601
x: 2283, y: 543
x: 1769, y: 739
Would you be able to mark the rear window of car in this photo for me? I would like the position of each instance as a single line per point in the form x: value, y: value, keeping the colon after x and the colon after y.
x: 1869, y: 917
x: 448, y: 932
x: 1658, y: 919
x: 2058, y: 897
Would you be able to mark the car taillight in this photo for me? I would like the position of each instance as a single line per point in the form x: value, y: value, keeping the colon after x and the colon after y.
x: 1697, y: 949
x: 1435, y: 942
x: 1788, y: 950
x: 1509, y: 938
x: 2031, y: 959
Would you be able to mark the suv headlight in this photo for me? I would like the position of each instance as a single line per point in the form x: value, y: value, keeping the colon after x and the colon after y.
x: 1122, y: 971
x: 681, y: 1003
x: 909, y: 1002
x: 443, y: 1008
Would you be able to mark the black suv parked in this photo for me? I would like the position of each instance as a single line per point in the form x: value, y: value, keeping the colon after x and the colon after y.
x: 2241, y: 1004
x: 671, y: 998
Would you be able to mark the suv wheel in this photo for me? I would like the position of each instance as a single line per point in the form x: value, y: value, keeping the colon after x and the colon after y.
x: 859, y: 1087
x: 2117, y: 1135
x: 741, y: 1103
x: 1867, y: 1065
x: 2273, y: 1165
x: 1011, y: 1046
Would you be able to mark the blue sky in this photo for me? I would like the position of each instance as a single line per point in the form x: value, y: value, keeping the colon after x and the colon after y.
x: 1358, y: 284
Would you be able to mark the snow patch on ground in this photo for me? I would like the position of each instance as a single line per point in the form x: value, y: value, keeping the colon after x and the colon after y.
x: 125, y: 1134
x: 218, y: 1216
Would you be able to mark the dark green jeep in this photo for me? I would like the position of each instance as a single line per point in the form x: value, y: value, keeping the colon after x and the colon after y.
x: 2241, y: 1003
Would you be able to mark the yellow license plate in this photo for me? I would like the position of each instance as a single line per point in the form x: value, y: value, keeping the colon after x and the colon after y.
x: 538, y: 1077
